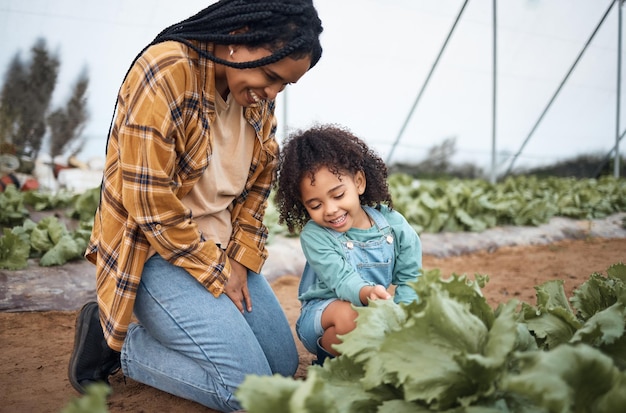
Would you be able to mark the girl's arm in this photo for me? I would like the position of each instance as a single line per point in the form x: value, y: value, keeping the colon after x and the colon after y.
x: 408, y: 257
x: 373, y: 292
x: 324, y: 254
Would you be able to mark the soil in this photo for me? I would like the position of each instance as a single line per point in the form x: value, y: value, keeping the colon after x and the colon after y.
x: 36, y: 345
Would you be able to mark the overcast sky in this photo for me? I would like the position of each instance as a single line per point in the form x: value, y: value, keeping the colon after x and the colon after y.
x: 377, y: 56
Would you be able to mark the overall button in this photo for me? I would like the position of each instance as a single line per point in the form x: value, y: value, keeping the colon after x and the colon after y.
x: 389, y: 239
x: 350, y: 245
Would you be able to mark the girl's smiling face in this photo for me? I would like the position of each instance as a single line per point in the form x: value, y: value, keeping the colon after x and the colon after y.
x: 332, y: 200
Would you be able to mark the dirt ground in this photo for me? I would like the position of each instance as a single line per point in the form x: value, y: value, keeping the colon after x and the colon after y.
x: 36, y: 345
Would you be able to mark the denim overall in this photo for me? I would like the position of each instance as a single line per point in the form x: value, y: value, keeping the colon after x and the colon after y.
x: 373, y: 260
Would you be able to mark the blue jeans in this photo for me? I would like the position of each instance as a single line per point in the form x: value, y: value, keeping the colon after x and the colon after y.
x: 309, y: 324
x: 199, y: 347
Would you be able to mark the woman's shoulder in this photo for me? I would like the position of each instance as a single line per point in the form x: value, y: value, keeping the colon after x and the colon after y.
x: 166, y: 50
x: 168, y: 57
x: 172, y: 60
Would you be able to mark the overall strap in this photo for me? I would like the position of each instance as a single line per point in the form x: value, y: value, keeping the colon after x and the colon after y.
x: 379, y: 219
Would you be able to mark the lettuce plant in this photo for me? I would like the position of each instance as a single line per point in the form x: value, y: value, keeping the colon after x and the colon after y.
x: 451, y: 352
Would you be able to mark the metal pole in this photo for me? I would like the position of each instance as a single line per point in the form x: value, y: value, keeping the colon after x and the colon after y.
x: 532, y: 131
x: 285, y: 113
x: 419, y: 96
x: 493, y: 114
x: 607, y: 158
x: 616, y: 161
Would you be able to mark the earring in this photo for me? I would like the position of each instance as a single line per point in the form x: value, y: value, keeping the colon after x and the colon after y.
x: 231, y: 52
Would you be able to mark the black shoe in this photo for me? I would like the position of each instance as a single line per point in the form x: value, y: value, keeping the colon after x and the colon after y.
x: 92, y: 359
x: 322, y: 354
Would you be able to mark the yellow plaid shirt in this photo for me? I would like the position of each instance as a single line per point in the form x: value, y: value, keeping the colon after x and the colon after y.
x: 160, y: 144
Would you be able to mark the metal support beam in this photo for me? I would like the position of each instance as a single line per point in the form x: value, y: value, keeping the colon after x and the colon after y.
x: 493, y: 175
x: 616, y: 161
x: 532, y: 131
x: 419, y: 96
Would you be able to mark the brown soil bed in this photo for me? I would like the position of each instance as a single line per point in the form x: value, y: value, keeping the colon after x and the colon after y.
x: 36, y: 345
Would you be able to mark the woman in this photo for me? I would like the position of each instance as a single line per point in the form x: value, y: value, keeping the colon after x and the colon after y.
x: 178, y: 238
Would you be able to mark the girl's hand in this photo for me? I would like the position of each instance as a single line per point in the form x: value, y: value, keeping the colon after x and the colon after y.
x: 373, y: 292
x: 237, y: 286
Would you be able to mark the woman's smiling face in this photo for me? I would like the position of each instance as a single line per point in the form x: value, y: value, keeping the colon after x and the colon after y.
x: 250, y: 86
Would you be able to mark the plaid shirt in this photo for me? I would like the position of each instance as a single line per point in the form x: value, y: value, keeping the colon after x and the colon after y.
x: 160, y: 144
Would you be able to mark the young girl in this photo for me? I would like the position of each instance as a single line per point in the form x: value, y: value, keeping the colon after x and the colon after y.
x: 333, y: 188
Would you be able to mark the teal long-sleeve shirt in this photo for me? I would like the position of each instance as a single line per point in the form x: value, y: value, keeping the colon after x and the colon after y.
x: 336, y: 277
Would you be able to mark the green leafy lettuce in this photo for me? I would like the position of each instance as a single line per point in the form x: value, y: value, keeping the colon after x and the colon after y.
x: 450, y: 352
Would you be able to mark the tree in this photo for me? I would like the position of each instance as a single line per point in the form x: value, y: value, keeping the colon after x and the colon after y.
x: 11, y: 102
x: 438, y: 164
x: 42, y: 77
x: 67, y: 124
x: 25, y: 99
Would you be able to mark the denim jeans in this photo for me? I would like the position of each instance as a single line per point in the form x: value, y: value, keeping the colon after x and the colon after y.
x: 309, y: 325
x: 198, y: 347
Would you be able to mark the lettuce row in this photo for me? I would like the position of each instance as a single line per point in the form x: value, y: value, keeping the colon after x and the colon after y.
x: 49, y: 240
x: 451, y: 352
x: 434, y: 206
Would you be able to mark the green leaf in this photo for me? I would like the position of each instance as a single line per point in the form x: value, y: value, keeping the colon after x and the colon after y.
x: 550, y: 328
x: 402, y: 406
x: 460, y: 288
x: 65, y: 250
x: 12, y: 210
x: 93, y: 401
x: 343, y: 389
x: 14, y: 251
x: 266, y: 394
x: 604, y: 327
x: 40, y: 240
x: 552, y: 320
x: 378, y: 319
x: 594, y: 295
x: 559, y: 380
x: 56, y: 229
x: 422, y: 357
x: 618, y: 271
x: 551, y: 294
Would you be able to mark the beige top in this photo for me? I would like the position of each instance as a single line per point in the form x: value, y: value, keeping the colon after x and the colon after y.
x: 232, y: 140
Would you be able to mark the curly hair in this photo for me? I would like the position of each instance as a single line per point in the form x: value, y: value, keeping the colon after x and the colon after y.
x: 333, y: 147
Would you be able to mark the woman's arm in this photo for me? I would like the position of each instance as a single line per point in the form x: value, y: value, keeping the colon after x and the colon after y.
x: 154, y: 151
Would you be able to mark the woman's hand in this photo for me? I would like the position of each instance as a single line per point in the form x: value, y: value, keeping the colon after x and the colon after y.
x: 237, y: 286
x: 373, y: 292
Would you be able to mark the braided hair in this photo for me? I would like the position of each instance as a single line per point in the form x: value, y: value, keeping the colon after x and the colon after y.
x: 332, y: 147
x: 285, y: 27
